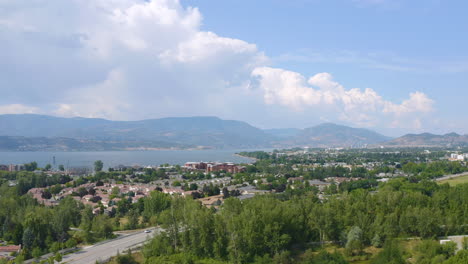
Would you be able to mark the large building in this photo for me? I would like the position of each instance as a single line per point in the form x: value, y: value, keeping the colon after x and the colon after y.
x: 16, y: 167
x: 196, y: 165
x: 456, y: 156
x: 227, y: 167
x: 214, y: 166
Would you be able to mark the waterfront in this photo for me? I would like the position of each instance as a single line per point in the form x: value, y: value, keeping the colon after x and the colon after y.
x: 114, y: 158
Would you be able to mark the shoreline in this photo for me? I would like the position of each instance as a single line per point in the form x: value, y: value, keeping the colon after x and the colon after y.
x: 239, y: 155
x: 108, y: 150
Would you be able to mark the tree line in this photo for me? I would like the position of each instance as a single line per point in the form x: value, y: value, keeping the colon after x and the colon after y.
x: 272, y: 227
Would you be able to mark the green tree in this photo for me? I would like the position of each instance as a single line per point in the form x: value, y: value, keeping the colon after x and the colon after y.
x: 98, y: 165
x: 460, y: 258
x: 32, y: 166
x: 391, y: 254
x: 36, y: 253
x: 102, y: 227
x: 71, y: 243
x: 155, y: 203
x: 51, y: 260
x: 325, y: 257
x: 354, y: 243
x: 87, y: 223
x: 376, y: 241
x: 46, y: 194
x: 133, y: 219
x: 28, y: 238
x: 47, y: 167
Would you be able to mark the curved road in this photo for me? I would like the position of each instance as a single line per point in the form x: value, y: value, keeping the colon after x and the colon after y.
x: 107, y: 249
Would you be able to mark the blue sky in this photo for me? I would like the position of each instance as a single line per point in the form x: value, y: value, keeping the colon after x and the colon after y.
x: 395, y: 66
x: 392, y: 46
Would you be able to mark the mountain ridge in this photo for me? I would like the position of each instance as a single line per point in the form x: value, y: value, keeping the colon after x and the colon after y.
x: 193, y: 131
x: 31, y: 132
x: 429, y: 140
x: 333, y: 135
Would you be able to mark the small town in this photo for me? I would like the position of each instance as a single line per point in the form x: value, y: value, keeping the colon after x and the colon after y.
x: 323, y: 172
x: 233, y: 132
x: 124, y: 196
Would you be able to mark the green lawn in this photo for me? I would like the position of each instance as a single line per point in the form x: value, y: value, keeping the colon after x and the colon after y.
x: 456, y: 181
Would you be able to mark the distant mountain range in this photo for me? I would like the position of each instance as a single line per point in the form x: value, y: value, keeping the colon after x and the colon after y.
x: 332, y: 135
x: 283, y: 133
x: 8, y: 143
x: 183, y: 132
x: 429, y: 140
x: 30, y: 132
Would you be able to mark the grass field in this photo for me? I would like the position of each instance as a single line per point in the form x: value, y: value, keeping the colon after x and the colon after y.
x: 455, y: 181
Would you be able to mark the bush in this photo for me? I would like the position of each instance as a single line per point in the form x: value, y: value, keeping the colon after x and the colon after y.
x: 460, y: 257
x: 391, y: 254
x: 71, y: 243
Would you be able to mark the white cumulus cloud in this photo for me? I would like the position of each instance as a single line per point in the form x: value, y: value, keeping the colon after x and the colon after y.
x: 364, y: 107
x: 18, y: 109
x: 136, y: 59
x: 120, y: 59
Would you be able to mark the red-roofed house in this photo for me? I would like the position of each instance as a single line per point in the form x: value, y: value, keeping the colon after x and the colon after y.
x: 5, y: 251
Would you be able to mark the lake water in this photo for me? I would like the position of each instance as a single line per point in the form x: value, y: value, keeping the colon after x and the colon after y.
x: 114, y: 158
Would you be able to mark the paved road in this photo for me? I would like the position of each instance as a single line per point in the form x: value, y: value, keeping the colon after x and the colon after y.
x: 457, y: 239
x: 446, y: 177
x: 105, y: 250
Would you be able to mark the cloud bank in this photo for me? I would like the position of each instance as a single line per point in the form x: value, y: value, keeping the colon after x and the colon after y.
x: 118, y: 59
x: 363, y: 107
x: 136, y: 59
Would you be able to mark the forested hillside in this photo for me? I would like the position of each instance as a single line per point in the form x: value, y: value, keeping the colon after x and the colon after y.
x: 274, y: 228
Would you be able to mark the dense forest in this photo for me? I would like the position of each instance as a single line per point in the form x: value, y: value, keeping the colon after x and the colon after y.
x: 275, y: 229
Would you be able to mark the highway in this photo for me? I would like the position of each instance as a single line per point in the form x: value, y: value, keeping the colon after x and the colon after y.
x: 103, y: 251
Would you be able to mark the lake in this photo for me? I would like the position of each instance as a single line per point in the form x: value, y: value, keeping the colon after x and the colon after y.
x: 114, y: 158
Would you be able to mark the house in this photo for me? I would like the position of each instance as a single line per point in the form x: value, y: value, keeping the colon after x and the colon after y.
x: 87, y: 197
x: 6, y: 251
x: 319, y: 184
x: 172, y: 191
x: 295, y: 179
x: 249, y: 190
x: 339, y: 180
x: 212, y: 201
x: 246, y: 196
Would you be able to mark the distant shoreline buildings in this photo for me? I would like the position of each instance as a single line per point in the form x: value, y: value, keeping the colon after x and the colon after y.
x: 458, y: 157
x: 12, y: 167
x: 214, y: 167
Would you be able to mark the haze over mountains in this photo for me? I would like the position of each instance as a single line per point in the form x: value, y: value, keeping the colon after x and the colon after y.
x: 430, y: 140
x: 180, y: 132
x: 332, y: 135
x: 38, y: 132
